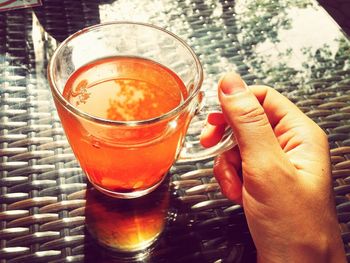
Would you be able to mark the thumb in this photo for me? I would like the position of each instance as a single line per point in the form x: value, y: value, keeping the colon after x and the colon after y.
x: 247, y: 118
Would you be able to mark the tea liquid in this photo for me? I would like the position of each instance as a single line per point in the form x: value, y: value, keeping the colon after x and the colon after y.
x: 121, y: 158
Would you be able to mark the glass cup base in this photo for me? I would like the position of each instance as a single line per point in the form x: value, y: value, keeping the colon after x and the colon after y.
x: 142, y: 254
x: 131, y: 251
x: 130, y: 195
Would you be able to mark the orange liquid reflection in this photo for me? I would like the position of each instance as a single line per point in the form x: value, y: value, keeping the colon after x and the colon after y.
x: 127, y: 225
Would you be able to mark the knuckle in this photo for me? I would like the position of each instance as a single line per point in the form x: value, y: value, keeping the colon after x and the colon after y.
x: 254, y: 114
x: 321, y: 134
x: 324, y: 139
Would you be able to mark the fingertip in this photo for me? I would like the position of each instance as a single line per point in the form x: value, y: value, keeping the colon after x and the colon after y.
x: 204, y: 137
x: 211, y: 135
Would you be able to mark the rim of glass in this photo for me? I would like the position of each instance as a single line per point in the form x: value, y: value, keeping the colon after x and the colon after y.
x: 70, y: 107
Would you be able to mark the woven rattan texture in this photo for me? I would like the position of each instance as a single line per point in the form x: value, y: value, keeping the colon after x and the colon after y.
x: 43, y: 190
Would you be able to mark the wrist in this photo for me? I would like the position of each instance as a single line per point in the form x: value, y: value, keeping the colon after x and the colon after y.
x: 327, y: 249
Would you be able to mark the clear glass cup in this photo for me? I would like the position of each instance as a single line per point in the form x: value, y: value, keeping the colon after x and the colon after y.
x: 125, y: 159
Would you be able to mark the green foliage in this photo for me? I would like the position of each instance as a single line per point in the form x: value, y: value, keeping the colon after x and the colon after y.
x: 323, y: 62
x: 263, y: 21
x: 264, y: 18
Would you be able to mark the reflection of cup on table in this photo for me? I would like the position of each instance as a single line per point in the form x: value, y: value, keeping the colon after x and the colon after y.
x: 127, y: 226
x: 125, y: 94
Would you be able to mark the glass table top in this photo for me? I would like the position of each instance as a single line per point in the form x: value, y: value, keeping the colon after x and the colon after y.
x: 49, y: 210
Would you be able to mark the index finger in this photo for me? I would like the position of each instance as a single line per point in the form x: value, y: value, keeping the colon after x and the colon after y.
x: 276, y: 106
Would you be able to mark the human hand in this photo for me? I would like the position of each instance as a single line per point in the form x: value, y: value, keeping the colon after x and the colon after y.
x: 279, y: 171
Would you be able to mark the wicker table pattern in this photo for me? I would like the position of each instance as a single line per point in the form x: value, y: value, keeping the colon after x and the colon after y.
x: 43, y: 190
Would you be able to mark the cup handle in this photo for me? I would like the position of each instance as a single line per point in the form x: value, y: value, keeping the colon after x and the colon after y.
x: 189, y: 154
x: 227, y: 142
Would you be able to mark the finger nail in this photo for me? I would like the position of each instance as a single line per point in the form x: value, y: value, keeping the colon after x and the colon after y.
x: 232, y: 83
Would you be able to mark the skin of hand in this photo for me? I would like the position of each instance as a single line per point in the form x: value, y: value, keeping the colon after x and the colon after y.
x: 279, y: 171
